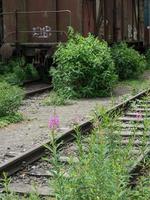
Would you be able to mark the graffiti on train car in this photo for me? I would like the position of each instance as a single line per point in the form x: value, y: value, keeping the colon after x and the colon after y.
x: 132, y: 32
x: 42, y: 32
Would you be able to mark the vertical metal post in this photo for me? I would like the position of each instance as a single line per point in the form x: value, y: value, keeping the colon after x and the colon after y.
x: 122, y: 19
x: 95, y: 17
x: 105, y: 15
x: 16, y: 21
x: 1, y: 22
x: 138, y: 34
x: 132, y: 20
x: 82, y: 16
x: 114, y: 21
x: 57, y: 22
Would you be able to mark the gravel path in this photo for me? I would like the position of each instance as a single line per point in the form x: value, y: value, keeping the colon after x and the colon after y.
x: 18, y: 138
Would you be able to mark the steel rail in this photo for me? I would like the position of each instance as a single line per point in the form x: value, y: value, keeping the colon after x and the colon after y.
x: 38, y: 91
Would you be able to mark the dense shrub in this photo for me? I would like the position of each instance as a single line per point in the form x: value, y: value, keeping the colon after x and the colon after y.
x: 16, y: 77
x: 84, y: 67
x: 10, y: 99
x: 4, y: 68
x: 16, y: 71
x: 147, y: 55
x: 129, y: 63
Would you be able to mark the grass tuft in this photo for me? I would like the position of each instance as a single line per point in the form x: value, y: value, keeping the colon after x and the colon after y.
x: 10, y: 119
x: 55, y: 100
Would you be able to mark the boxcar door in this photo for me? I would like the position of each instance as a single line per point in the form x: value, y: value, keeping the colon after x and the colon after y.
x: 89, y: 16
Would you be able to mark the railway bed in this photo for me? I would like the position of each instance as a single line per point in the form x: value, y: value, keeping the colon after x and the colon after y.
x: 36, y: 87
x: 30, y: 167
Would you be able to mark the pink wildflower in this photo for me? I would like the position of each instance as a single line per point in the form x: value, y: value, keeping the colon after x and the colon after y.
x: 54, y: 122
x: 138, y: 116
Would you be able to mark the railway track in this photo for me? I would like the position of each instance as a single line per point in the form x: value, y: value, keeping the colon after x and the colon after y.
x: 36, y: 87
x: 30, y: 167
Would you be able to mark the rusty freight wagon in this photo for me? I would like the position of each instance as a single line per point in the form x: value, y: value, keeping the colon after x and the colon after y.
x: 41, y: 24
x: 44, y: 22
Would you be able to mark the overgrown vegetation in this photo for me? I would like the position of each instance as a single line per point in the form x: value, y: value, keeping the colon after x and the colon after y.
x: 137, y: 85
x: 10, y: 119
x: 84, y: 68
x: 147, y: 55
x: 128, y: 62
x: 8, y: 195
x: 15, y: 71
x: 55, y: 99
x: 10, y: 100
x: 102, y: 170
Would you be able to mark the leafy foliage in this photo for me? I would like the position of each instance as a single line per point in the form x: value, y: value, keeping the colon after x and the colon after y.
x: 102, y: 170
x: 84, y: 68
x: 12, y: 118
x: 147, y: 55
x: 15, y: 71
x: 129, y: 63
x: 55, y: 100
x: 142, y: 191
x: 10, y: 99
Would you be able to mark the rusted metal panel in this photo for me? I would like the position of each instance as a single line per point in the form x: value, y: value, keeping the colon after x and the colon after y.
x: 75, y: 7
x: 28, y: 26
x: 147, y: 22
x: 88, y: 20
x: 116, y: 20
x: 120, y: 20
x: 9, y: 23
x: 41, y: 23
x: 110, y: 21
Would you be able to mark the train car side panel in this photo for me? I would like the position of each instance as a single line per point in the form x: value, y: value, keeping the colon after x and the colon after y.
x: 75, y: 8
x: 120, y: 20
x: 9, y: 21
x: 43, y: 24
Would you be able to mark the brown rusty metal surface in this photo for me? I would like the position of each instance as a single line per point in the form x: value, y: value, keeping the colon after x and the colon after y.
x: 76, y: 13
x: 33, y: 21
x: 121, y: 20
x: 88, y: 17
x: 114, y: 20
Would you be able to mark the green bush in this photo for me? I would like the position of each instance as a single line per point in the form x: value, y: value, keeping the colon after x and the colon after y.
x: 147, y: 55
x: 4, y: 68
x: 16, y: 71
x: 16, y: 77
x: 10, y: 119
x: 84, y: 68
x: 30, y: 72
x: 129, y: 63
x: 10, y: 99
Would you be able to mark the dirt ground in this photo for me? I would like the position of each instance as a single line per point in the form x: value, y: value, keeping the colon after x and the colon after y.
x: 18, y: 138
